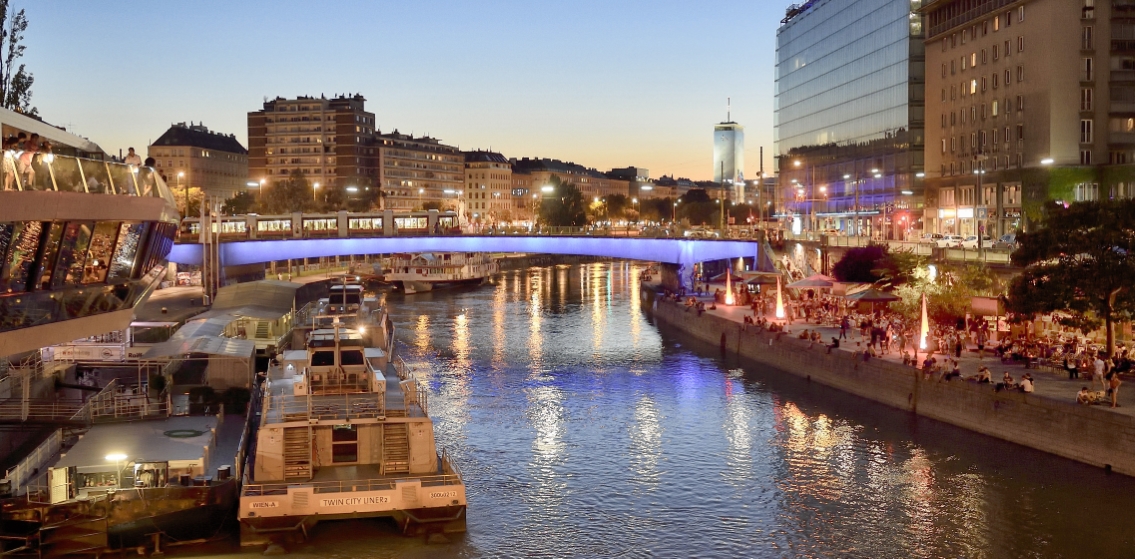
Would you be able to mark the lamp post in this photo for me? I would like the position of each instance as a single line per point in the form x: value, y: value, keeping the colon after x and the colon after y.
x: 314, y: 191
x: 420, y: 192
x: 180, y: 175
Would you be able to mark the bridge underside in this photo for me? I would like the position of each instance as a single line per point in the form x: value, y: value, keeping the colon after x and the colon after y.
x: 683, y: 252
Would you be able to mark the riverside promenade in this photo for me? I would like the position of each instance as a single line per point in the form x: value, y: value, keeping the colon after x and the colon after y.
x: 1048, y: 419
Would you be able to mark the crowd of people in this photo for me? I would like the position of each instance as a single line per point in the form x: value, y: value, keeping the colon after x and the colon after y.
x: 880, y: 333
x: 23, y: 154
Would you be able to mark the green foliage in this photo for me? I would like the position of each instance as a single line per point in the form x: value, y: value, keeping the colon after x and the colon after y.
x: 949, y: 297
x: 432, y: 205
x: 564, y: 206
x: 293, y: 194
x: 196, y: 196
x: 1080, y: 263
x: 656, y: 209
x: 862, y: 264
x: 616, y: 206
x: 243, y: 203
x: 15, y: 82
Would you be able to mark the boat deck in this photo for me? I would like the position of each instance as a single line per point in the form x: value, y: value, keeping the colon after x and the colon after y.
x: 284, y: 406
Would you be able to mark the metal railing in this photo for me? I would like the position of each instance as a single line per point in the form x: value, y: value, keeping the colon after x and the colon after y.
x: 349, y: 486
x: 27, y: 171
x: 44, y: 411
x: 32, y: 465
x: 286, y: 407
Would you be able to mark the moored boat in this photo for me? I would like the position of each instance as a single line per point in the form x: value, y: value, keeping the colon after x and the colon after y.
x: 426, y: 271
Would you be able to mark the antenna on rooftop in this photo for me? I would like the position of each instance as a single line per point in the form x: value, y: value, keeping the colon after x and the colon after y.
x: 728, y: 109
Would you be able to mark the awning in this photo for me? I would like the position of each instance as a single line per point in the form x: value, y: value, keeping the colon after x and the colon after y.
x: 269, y: 294
x: 46, y: 131
x: 207, y: 345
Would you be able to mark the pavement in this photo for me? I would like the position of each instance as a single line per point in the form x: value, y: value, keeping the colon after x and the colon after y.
x: 1047, y: 383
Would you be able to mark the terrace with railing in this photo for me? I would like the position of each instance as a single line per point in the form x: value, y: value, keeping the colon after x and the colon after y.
x: 22, y: 171
x: 448, y: 474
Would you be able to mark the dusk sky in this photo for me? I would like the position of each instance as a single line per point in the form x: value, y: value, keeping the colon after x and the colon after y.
x: 602, y: 83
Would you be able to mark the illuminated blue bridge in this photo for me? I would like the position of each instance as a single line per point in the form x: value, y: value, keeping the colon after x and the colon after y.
x: 683, y: 252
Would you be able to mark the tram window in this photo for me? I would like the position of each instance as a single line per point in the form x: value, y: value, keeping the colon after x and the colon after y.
x: 323, y: 359
x: 350, y: 357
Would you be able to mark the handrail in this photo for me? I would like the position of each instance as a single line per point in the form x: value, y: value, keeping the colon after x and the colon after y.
x: 65, y: 173
x: 32, y: 464
x: 347, y: 486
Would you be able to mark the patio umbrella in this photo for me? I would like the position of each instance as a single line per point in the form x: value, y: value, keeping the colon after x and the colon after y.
x: 758, y: 278
x: 817, y: 281
x: 872, y: 296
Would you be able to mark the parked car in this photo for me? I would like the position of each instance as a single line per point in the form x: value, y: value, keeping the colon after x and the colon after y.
x: 929, y: 238
x: 970, y: 242
x: 949, y: 241
x: 1007, y: 241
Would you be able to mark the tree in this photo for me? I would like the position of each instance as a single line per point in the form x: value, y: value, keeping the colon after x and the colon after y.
x: 1081, y: 262
x: 15, y: 82
x: 286, y: 196
x: 862, y: 264
x: 196, y: 196
x: 242, y: 203
x: 564, y: 206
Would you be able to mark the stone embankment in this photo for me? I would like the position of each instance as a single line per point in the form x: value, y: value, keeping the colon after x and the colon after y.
x: 1093, y: 435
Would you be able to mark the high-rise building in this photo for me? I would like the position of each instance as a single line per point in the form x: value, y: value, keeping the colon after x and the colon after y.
x: 729, y: 157
x: 329, y: 140
x: 417, y: 171
x: 488, y: 187
x: 1028, y: 103
x: 192, y: 156
x: 849, y: 114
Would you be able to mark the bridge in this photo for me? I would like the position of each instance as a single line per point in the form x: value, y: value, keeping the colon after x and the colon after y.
x: 682, y: 252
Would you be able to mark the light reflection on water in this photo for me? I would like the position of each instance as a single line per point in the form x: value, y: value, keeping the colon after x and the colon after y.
x: 583, y: 431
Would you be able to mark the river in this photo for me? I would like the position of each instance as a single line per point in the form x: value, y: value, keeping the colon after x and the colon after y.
x: 584, y: 431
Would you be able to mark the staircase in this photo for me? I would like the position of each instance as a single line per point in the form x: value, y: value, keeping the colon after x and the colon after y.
x: 82, y: 534
x: 262, y: 330
x: 297, y: 453
x: 395, y: 448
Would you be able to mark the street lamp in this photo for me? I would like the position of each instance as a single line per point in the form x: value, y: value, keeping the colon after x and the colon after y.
x: 420, y: 192
x: 180, y: 175
x: 314, y: 190
x: 547, y: 189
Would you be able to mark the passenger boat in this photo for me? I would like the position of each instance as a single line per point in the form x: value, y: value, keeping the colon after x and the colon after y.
x: 426, y: 271
x: 346, y: 434
x: 139, y: 477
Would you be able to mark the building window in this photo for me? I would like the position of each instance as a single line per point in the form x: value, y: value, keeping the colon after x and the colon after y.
x: 1086, y: 99
x: 943, y: 69
x: 1020, y: 74
x: 1086, y: 191
x: 1087, y: 74
x: 996, y: 24
x: 983, y: 53
x: 984, y: 83
x: 1008, y: 77
x: 1020, y: 131
x: 1020, y: 14
x: 1086, y: 131
x: 1085, y: 157
x: 1020, y: 104
x: 1085, y: 38
x: 973, y: 87
x: 994, y: 108
x: 995, y: 80
x: 1089, y: 11
x: 973, y: 58
x: 965, y: 62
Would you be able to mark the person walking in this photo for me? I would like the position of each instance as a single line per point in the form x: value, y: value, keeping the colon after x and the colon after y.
x: 844, y: 325
x: 1098, y: 371
x: 1114, y: 383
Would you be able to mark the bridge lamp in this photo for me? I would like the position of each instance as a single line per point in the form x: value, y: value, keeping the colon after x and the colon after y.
x: 878, y: 175
x: 845, y: 177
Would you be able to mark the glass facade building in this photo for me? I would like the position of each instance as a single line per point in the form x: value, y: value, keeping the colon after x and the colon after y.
x: 849, y: 114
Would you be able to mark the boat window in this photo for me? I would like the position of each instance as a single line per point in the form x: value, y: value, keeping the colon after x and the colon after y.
x: 102, y: 246
x: 344, y: 443
x: 22, y: 245
x: 351, y: 357
x: 323, y: 359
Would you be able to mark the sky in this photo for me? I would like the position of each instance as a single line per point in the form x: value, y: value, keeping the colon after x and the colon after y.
x: 605, y: 84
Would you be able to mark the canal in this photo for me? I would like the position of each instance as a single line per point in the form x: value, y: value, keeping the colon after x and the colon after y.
x: 584, y: 431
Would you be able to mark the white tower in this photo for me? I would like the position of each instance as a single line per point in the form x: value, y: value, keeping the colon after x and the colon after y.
x: 729, y: 156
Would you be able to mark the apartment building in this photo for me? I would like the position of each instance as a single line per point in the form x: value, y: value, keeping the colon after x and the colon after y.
x: 420, y: 170
x: 192, y: 156
x: 332, y: 141
x: 1029, y: 103
x: 488, y: 187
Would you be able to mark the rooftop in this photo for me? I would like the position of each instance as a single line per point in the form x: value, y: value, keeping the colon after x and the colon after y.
x: 197, y: 135
x: 481, y: 156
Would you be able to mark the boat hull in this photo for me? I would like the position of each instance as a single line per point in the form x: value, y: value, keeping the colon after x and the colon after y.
x: 412, y: 287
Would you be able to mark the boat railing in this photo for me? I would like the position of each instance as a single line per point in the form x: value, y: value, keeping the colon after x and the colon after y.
x: 348, y: 486
x: 57, y: 410
x: 33, y: 464
x: 448, y: 466
x: 65, y: 173
x: 114, y: 402
x: 287, y: 407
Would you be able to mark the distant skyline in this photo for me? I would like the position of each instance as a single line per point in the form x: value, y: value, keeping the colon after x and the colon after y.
x: 602, y: 83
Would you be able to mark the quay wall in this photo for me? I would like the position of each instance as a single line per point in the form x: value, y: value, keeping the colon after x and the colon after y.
x: 1088, y: 434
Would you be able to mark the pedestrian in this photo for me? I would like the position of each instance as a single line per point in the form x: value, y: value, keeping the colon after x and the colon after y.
x: 1098, y: 371
x: 1114, y: 384
x: 957, y: 347
x: 132, y: 158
